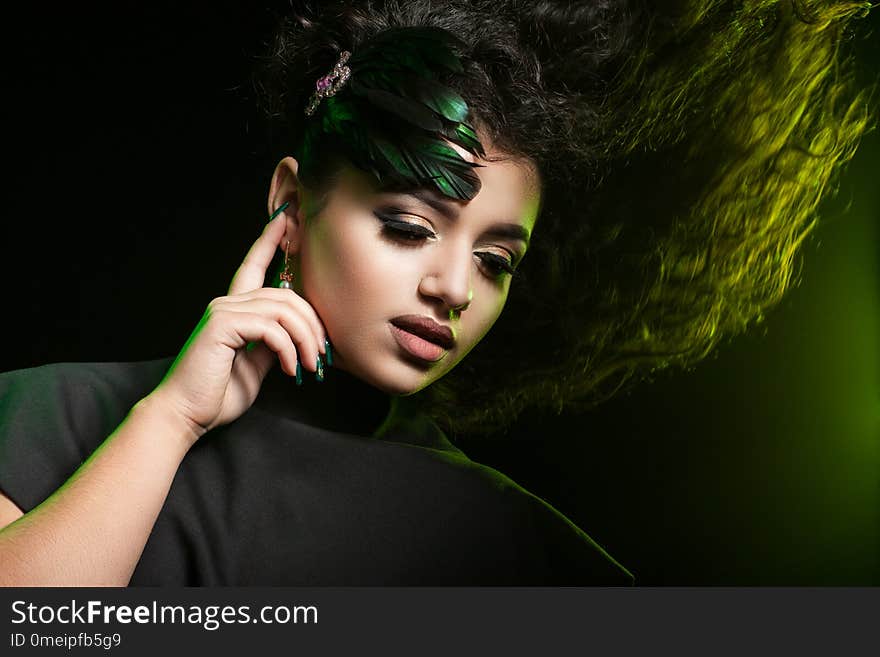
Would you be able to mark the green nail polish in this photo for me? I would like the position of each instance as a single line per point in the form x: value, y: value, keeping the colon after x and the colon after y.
x: 319, y: 375
x: 279, y: 210
x: 299, y: 374
x: 329, y: 354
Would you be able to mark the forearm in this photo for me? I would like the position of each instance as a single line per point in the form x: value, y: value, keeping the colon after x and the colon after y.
x: 92, y: 530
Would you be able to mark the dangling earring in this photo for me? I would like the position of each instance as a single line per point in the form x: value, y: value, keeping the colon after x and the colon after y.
x: 286, y: 275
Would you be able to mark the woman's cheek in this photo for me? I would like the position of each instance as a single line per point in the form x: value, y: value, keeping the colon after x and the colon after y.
x: 335, y: 258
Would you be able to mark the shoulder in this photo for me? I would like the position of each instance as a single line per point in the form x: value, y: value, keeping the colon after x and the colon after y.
x: 54, y: 416
x: 547, y: 547
x: 555, y: 548
x: 41, y: 384
x: 75, y: 372
x: 84, y: 397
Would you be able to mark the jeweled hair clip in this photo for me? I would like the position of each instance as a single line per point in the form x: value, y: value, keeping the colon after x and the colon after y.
x: 331, y: 83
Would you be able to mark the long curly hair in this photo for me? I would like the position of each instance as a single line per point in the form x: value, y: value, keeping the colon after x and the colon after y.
x: 683, y: 151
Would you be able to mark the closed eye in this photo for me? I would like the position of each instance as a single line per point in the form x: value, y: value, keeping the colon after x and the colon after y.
x: 496, y: 263
x: 403, y: 229
x: 413, y: 233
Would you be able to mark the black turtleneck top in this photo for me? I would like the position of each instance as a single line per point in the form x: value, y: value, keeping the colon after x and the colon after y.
x: 309, y: 487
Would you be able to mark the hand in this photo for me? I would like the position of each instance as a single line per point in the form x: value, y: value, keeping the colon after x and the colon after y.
x: 219, y: 371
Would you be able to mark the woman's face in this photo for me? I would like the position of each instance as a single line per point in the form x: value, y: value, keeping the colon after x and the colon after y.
x: 374, y: 264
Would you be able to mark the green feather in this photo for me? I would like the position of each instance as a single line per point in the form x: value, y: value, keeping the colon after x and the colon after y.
x: 464, y: 135
x: 408, y: 110
x: 393, y: 114
x: 441, y: 99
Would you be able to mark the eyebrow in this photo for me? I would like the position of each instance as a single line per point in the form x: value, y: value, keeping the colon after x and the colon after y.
x: 508, y: 230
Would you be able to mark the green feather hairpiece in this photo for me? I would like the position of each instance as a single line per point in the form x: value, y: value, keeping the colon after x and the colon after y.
x: 388, y: 108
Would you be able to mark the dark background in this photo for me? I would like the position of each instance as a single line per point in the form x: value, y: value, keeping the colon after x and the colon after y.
x: 135, y: 184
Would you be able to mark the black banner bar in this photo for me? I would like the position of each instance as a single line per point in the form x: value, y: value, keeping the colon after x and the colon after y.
x: 449, y: 621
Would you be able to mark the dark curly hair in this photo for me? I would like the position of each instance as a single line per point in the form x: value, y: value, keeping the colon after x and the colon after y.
x: 683, y: 149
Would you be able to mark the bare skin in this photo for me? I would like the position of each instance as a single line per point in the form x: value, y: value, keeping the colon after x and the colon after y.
x: 92, y: 530
x: 358, y: 275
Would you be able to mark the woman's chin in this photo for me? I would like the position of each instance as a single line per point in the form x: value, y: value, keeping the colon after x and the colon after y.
x: 400, y: 381
x: 401, y: 386
x: 398, y: 375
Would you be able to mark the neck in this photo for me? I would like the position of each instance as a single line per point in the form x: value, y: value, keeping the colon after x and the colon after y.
x: 341, y: 402
x: 345, y: 404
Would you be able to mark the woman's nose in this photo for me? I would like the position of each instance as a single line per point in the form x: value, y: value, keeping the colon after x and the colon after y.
x: 449, y: 280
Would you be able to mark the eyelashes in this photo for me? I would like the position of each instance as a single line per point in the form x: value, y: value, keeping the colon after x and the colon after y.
x: 404, y: 229
x: 412, y: 233
x: 497, y: 263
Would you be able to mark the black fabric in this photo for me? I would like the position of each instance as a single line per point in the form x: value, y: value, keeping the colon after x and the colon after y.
x: 306, y: 488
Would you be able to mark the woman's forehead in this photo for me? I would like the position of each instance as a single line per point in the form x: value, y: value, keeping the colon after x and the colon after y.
x: 509, y: 191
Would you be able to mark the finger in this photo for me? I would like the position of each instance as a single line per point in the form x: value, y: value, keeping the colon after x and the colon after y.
x: 262, y: 358
x: 307, y: 309
x: 244, y: 328
x: 294, y: 324
x: 295, y: 301
x: 252, y: 271
x: 292, y: 319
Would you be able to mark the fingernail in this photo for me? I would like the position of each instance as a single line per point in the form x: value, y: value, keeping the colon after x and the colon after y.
x: 329, y: 354
x: 281, y: 208
x: 319, y: 374
x: 299, y: 374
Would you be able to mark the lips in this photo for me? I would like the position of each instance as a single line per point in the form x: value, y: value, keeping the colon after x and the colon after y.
x: 427, y: 329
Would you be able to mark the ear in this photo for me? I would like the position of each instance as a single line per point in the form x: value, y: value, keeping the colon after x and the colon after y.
x: 286, y: 187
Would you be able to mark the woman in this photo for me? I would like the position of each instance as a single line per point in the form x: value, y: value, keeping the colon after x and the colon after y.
x: 396, y: 228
